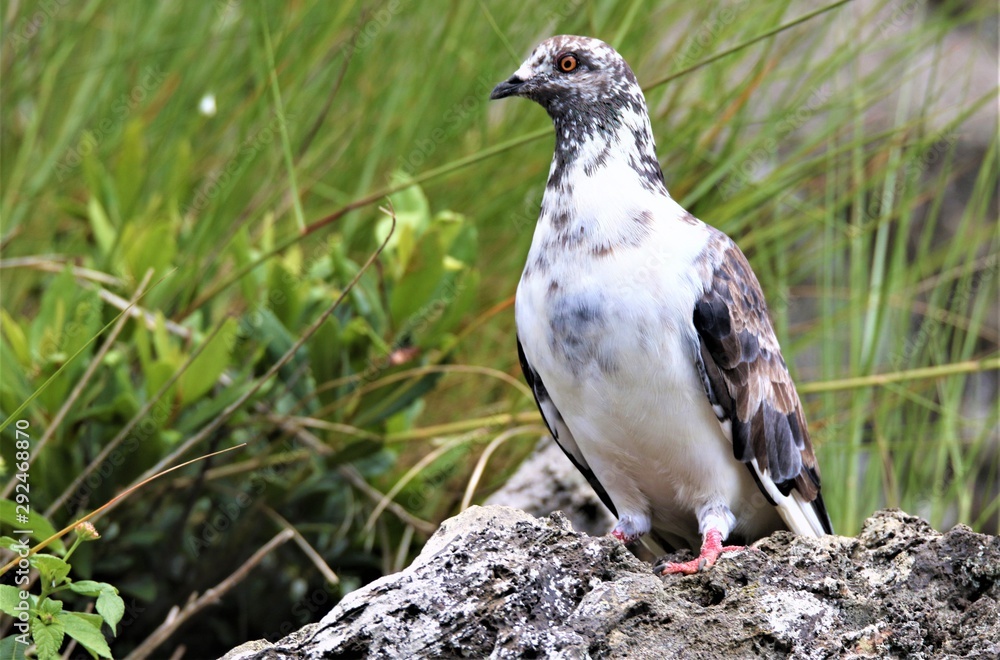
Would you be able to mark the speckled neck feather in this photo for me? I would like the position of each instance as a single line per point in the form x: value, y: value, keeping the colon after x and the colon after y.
x: 599, y: 112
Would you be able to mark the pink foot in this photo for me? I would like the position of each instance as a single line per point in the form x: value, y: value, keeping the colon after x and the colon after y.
x: 711, y: 548
x: 629, y: 529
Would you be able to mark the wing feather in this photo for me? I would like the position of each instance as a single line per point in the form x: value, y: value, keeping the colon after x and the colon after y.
x: 746, y: 378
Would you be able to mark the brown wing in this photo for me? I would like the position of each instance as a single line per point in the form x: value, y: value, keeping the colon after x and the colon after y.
x: 748, y: 383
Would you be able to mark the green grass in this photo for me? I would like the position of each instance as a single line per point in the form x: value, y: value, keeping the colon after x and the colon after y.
x: 866, y: 208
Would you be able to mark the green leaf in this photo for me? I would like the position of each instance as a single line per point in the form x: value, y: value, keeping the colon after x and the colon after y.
x: 104, y: 232
x: 180, y: 170
x: 50, y: 606
x: 131, y: 168
x: 166, y: 349
x: 11, y: 648
x: 201, y: 375
x: 458, y: 293
x: 413, y: 215
x: 369, y: 298
x: 15, y: 385
x: 151, y: 244
x: 15, y: 336
x: 111, y: 606
x: 84, y: 324
x: 277, y: 340
x: 46, y: 328
x: 412, y: 297
x: 356, y: 450
x: 40, y: 528
x: 240, y: 248
x: 325, y: 355
x: 82, y: 630
x: 462, y: 237
x: 87, y: 587
x: 141, y: 340
x: 203, y: 411
x: 52, y: 569
x: 95, y: 620
x: 285, y: 287
x: 157, y: 373
x: 10, y: 598
x: 48, y: 636
x: 381, y: 406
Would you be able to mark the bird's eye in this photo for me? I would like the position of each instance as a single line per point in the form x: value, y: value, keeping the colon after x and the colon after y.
x: 567, y: 62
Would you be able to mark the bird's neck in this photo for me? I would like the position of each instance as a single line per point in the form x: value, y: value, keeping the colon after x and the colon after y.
x: 605, y: 193
x: 595, y: 144
x: 605, y: 183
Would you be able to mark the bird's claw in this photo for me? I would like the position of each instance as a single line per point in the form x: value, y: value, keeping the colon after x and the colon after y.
x: 711, y: 549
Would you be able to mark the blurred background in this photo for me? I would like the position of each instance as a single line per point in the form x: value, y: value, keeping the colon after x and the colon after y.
x: 192, y: 193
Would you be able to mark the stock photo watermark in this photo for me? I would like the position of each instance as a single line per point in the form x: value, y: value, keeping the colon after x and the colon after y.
x: 224, y: 514
x: 708, y: 33
x: 364, y: 36
x: 30, y: 26
x: 879, y: 205
x: 112, y: 123
x: 223, y: 177
x: 791, y: 121
x: 451, y: 121
x: 932, y: 326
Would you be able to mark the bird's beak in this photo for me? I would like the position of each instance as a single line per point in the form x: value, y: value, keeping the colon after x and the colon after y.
x: 509, y: 87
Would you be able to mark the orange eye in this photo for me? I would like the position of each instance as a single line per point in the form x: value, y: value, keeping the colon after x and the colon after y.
x: 567, y: 62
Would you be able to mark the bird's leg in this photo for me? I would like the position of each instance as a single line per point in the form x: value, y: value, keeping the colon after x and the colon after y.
x: 715, y: 522
x: 711, y: 548
x: 630, y: 528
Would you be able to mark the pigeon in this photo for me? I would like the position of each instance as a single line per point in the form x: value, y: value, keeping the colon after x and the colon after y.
x: 644, y: 334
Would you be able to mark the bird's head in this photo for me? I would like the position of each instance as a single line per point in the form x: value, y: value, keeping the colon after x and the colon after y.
x: 596, y: 105
x: 567, y: 74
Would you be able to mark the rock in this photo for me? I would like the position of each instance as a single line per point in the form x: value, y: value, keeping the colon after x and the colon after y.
x: 545, y: 482
x: 497, y: 582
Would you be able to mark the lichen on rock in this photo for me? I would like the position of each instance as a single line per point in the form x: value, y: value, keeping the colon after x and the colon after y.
x: 496, y: 582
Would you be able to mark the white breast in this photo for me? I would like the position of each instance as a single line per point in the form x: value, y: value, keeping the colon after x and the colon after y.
x: 613, y: 341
